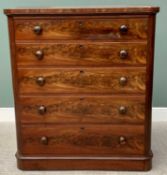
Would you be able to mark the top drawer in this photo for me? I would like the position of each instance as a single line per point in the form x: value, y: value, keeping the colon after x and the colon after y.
x: 70, y: 28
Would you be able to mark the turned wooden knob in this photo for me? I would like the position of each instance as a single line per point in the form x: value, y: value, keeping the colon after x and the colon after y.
x: 39, y: 54
x: 122, y: 110
x: 122, y: 140
x: 123, y: 29
x: 123, y: 81
x: 123, y: 54
x: 42, y: 110
x: 37, y: 30
x: 40, y: 81
x: 44, y: 140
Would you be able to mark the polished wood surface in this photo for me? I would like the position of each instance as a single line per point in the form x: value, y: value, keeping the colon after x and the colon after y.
x: 83, y: 109
x: 86, y: 11
x: 81, y: 163
x: 84, y: 28
x: 82, y: 80
x: 83, y: 140
x: 81, y: 54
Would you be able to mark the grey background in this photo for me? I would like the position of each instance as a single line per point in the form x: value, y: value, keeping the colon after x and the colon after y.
x: 160, y: 70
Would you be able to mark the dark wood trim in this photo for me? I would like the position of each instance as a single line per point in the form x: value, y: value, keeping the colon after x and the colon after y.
x: 14, y: 79
x: 85, y: 163
x: 76, y: 16
x: 149, y: 79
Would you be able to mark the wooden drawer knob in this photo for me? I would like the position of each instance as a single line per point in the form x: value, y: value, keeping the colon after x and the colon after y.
x: 40, y: 81
x: 123, y: 54
x: 39, y: 54
x: 122, y: 110
x: 44, y: 140
x: 123, y: 29
x: 42, y: 110
x: 122, y: 140
x: 37, y: 30
x: 123, y: 81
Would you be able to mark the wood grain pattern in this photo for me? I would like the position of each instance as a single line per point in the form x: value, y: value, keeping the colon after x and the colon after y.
x: 149, y: 10
x: 87, y: 109
x: 83, y: 140
x: 83, y: 80
x: 81, y: 54
x: 83, y: 28
x: 79, y: 84
x: 128, y: 163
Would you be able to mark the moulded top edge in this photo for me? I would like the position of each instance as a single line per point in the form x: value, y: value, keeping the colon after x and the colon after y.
x: 81, y: 10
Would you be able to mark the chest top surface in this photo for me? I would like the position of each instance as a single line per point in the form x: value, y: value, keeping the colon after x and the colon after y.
x: 84, y: 10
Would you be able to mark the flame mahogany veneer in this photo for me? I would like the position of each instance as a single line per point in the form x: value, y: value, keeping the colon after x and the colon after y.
x: 82, y: 80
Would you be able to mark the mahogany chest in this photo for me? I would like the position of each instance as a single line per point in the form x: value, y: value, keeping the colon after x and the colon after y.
x: 82, y: 80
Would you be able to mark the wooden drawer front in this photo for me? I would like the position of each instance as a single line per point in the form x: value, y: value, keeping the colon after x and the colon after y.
x: 83, y: 139
x: 82, y: 80
x: 84, y: 28
x: 87, y: 109
x: 82, y: 54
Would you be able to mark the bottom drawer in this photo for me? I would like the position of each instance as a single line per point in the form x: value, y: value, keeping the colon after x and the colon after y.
x: 76, y: 140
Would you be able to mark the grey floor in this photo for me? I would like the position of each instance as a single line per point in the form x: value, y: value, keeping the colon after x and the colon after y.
x: 8, y: 148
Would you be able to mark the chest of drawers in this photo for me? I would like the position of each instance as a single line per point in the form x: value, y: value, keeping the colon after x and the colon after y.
x: 82, y: 81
